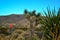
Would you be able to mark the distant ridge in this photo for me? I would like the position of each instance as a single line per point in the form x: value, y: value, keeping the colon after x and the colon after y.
x: 14, y: 18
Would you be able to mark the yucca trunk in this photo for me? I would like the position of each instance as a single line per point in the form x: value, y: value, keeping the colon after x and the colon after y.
x: 56, y: 34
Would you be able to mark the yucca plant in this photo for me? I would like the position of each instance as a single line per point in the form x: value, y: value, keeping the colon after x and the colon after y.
x: 51, y: 20
x: 36, y: 16
x: 33, y: 18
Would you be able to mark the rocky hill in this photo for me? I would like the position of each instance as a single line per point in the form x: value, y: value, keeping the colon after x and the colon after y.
x: 14, y: 18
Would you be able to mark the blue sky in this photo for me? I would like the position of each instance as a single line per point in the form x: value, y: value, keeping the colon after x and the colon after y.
x: 17, y: 6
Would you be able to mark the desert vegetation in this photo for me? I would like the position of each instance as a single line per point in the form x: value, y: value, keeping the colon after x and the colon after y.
x: 40, y: 27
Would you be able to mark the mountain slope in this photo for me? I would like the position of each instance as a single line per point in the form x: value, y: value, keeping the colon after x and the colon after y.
x: 14, y: 18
